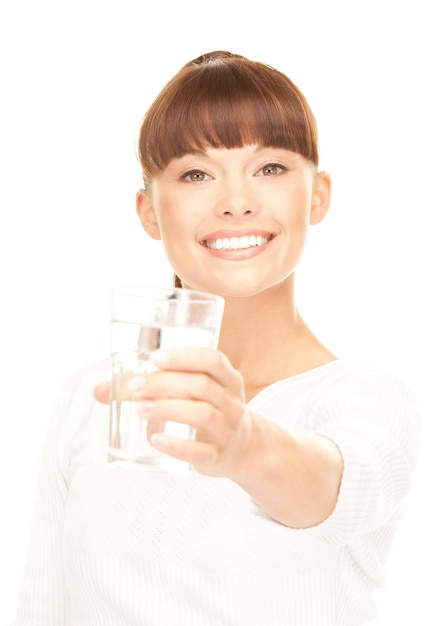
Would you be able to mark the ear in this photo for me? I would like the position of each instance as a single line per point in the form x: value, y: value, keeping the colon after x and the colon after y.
x: 321, y: 197
x: 146, y: 214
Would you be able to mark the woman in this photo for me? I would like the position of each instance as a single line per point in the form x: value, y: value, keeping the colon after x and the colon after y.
x: 302, y: 461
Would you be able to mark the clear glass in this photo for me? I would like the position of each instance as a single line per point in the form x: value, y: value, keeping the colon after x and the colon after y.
x: 142, y: 320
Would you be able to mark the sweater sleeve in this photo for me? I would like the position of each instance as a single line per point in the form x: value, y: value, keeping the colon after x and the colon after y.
x: 374, y: 420
x: 43, y: 600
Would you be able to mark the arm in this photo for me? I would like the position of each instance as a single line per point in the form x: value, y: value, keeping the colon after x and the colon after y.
x: 355, y: 452
x: 294, y: 478
x: 42, y: 599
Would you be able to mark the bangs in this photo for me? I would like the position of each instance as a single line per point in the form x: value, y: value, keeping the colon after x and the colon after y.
x: 225, y: 104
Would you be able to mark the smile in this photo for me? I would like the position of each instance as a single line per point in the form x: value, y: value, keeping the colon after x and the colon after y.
x: 237, y: 243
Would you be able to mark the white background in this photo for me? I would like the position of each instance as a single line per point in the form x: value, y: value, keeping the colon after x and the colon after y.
x: 76, y: 78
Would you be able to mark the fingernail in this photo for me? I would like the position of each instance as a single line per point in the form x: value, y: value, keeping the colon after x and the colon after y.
x: 135, y: 384
x: 160, y: 358
x: 159, y: 441
x: 145, y: 407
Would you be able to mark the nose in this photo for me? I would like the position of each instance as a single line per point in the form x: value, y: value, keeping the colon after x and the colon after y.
x: 236, y: 200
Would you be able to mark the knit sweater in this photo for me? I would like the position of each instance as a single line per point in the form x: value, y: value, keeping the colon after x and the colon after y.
x: 121, y: 546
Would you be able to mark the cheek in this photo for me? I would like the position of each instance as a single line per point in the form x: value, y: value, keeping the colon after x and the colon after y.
x: 175, y: 234
x: 295, y: 214
x: 176, y: 228
x: 295, y: 221
x: 168, y: 216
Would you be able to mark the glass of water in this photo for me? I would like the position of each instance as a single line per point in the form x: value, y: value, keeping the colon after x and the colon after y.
x: 144, y: 319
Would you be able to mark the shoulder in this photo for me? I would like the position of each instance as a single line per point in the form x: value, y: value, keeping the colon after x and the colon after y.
x: 372, y: 387
x: 371, y: 384
x: 339, y: 396
x: 336, y: 389
x: 80, y: 423
x: 367, y: 403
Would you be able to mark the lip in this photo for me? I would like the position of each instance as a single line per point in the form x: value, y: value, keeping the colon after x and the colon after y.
x: 237, y: 253
x: 228, y: 233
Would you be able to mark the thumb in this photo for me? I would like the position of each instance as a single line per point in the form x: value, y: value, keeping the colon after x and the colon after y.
x: 102, y: 392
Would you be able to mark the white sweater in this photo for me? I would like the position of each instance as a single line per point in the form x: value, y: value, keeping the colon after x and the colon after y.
x: 116, y: 546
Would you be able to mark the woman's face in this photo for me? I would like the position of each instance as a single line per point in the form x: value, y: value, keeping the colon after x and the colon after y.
x: 235, y: 221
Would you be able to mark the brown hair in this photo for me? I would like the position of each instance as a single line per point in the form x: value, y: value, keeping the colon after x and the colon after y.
x: 225, y: 100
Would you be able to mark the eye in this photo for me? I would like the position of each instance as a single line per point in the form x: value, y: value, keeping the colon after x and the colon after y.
x: 271, y: 169
x: 195, y: 176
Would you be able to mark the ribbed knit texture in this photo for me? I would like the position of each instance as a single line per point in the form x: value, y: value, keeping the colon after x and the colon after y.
x: 116, y: 546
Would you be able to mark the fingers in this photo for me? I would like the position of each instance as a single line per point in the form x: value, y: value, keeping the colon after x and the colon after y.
x: 125, y: 387
x: 159, y: 385
x: 202, y: 416
x: 197, y: 387
x: 210, y: 369
x: 205, y: 360
x: 182, y: 386
x: 200, y: 454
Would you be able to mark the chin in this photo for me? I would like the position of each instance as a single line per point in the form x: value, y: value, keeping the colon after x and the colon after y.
x: 227, y: 287
x: 243, y: 290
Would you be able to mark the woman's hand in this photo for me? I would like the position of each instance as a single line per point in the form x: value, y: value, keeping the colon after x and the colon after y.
x: 198, y: 387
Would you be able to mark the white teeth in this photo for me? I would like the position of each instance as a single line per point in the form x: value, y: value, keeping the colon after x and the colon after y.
x: 237, y: 243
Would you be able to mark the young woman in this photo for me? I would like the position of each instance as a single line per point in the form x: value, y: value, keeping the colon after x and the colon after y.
x: 302, y: 461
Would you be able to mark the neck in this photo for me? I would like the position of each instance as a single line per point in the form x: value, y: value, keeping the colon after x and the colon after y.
x: 257, y: 318
x: 266, y: 339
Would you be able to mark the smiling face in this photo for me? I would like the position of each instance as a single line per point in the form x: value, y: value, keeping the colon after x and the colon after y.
x: 234, y: 221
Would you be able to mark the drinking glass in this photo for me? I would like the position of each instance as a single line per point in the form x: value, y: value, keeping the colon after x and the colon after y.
x: 144, y: 319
